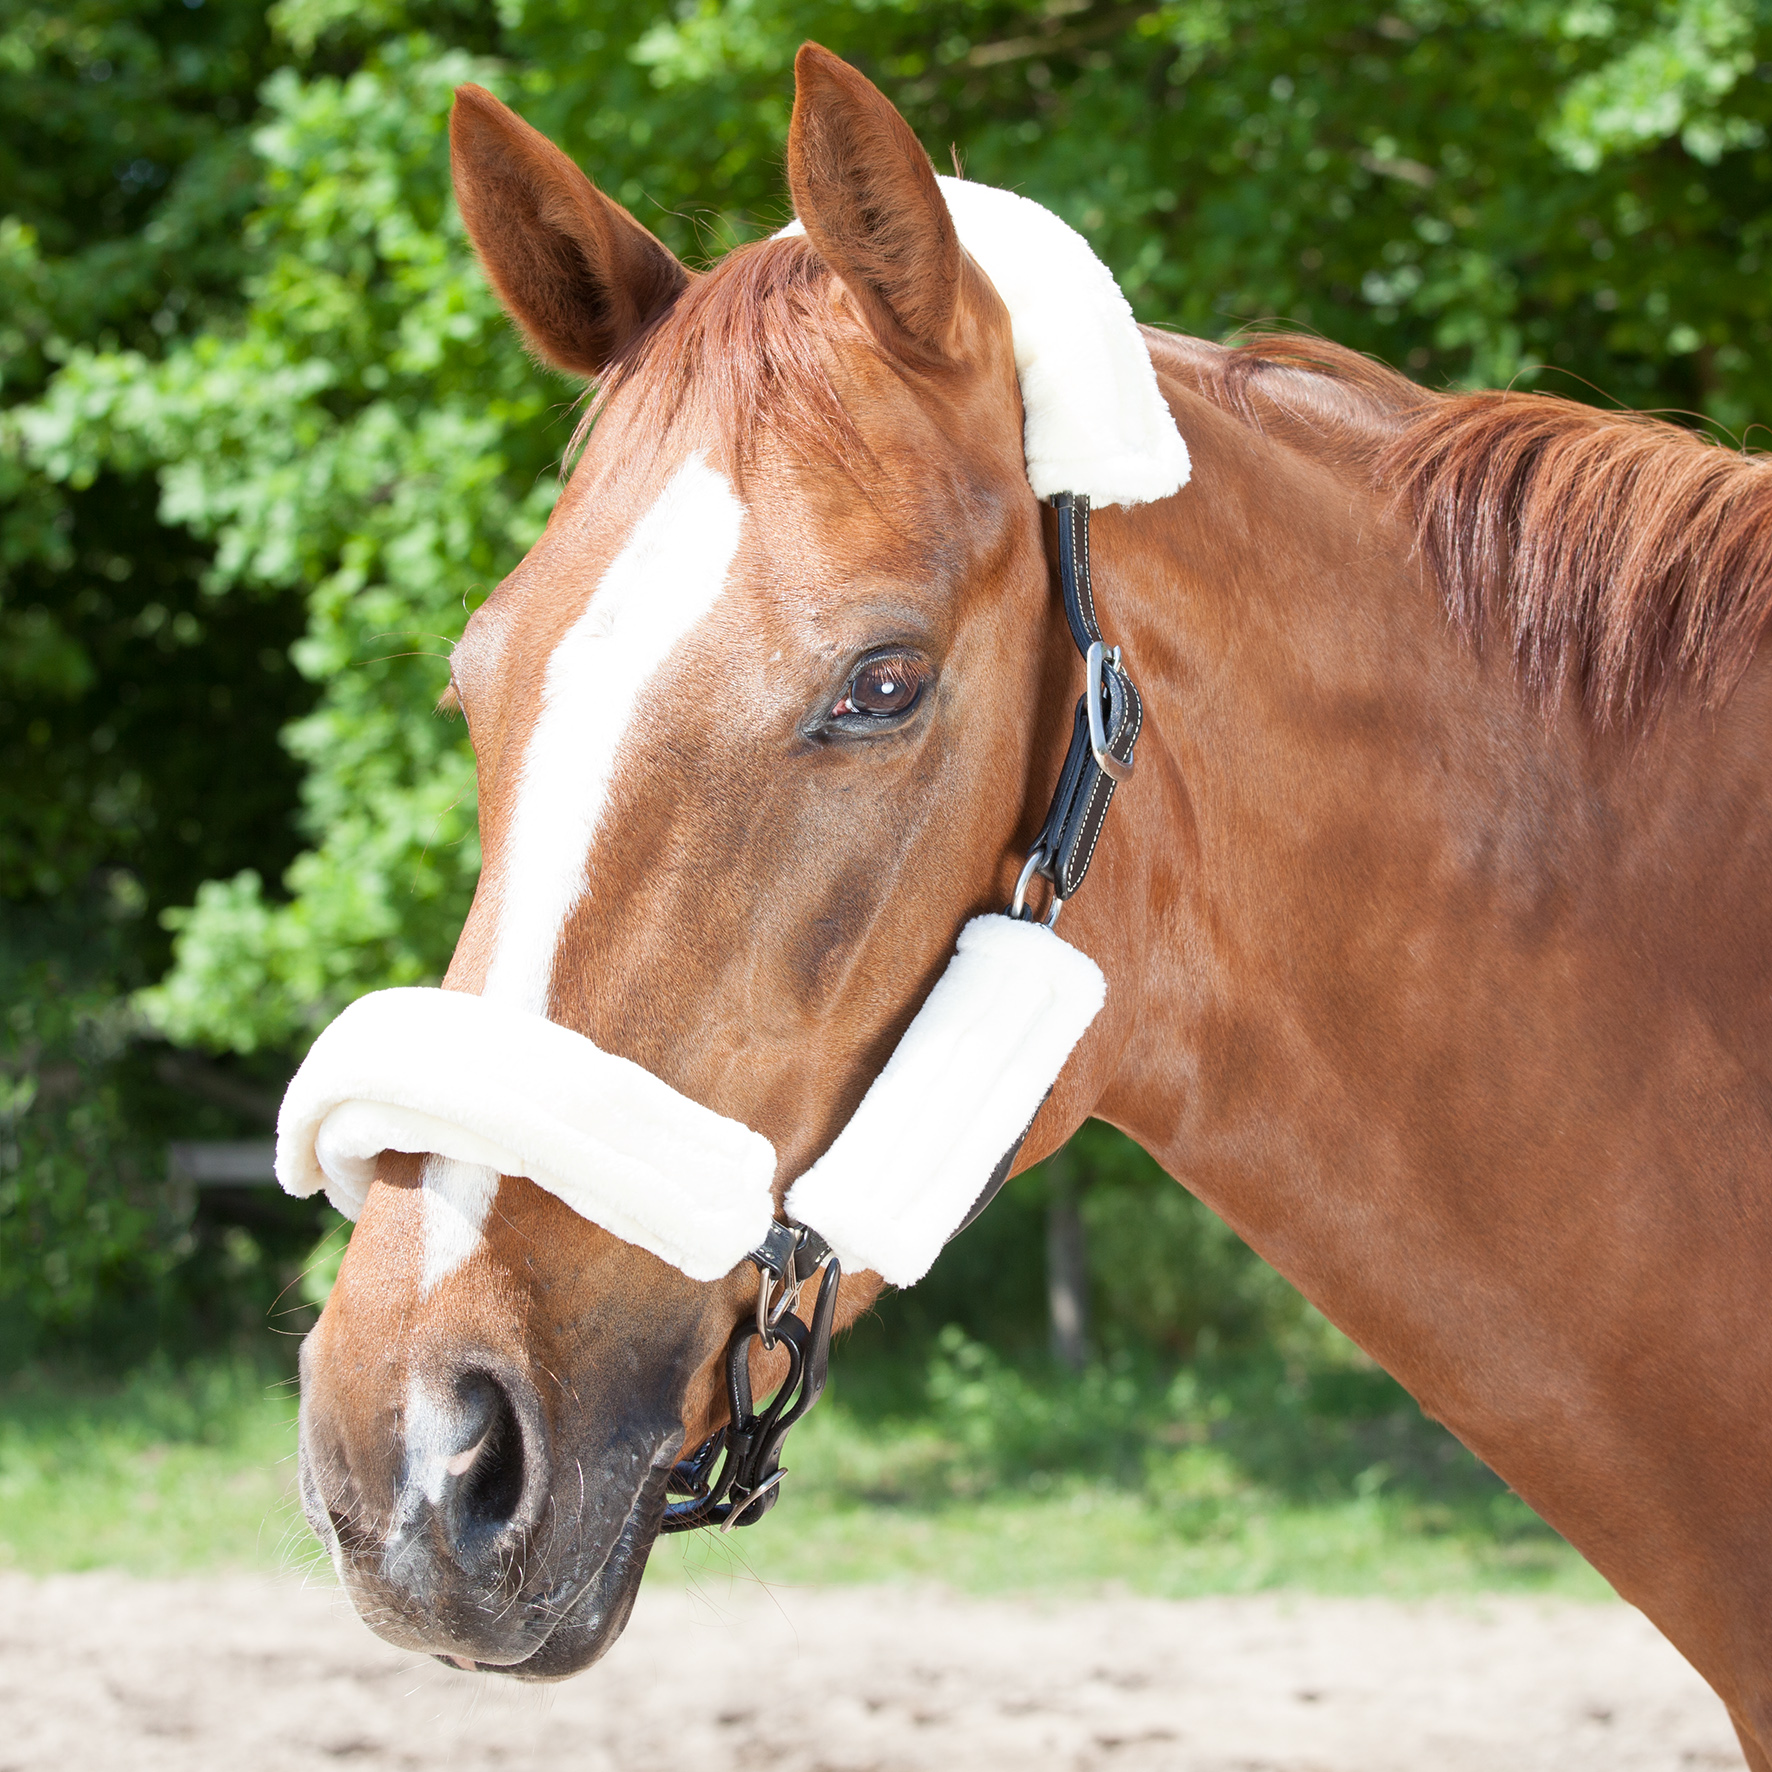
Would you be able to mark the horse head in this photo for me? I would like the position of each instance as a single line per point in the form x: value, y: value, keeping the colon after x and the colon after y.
x: 771, y: 709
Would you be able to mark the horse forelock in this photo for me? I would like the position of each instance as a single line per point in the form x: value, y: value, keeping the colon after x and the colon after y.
x: 750, y: 342
x: 1613, y: 553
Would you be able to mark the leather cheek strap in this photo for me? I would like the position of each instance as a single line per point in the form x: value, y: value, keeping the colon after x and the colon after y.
x: 1067, y: 840
x: 1066, y: 843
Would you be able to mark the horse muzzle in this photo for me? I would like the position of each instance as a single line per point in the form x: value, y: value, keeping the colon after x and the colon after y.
x: 466, y: 1525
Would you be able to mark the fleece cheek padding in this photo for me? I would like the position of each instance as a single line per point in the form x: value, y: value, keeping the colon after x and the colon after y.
x: 484, y: 1083
x: 957, y: 1093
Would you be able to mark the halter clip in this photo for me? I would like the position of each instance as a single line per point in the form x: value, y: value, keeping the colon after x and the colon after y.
x: 733, y: 1477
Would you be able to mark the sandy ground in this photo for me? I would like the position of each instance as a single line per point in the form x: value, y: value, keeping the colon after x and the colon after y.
x: 100, y: 1671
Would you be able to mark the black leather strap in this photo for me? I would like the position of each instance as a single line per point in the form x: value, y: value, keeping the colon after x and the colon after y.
x: 1065, y: 846
x: 1073, y: 567
x: 1066, y: 843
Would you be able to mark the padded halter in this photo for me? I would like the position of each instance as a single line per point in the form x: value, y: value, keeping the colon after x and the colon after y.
x: 450, y: 1073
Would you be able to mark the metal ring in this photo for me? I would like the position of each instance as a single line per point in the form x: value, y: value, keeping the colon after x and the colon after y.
x: 769, y: 1312
x: 1018, y: 904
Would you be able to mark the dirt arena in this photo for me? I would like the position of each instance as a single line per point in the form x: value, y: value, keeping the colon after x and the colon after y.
x: 256, y: 1676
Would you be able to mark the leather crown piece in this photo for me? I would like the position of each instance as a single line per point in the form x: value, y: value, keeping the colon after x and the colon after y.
x: 1104, y: 730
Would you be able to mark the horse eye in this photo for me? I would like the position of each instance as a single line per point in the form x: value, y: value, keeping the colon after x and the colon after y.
x: 884, y: 687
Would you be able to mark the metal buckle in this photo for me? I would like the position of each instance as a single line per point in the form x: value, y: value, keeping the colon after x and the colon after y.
x: 1095, y: 669
x: 763, y: 1493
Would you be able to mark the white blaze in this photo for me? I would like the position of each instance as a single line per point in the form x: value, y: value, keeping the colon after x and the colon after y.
x: 656, y: 590
x: 662, y: 583
x: 457, y: 1198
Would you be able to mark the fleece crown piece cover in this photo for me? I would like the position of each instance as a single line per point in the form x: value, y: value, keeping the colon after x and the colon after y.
x: 1095, y: 421
x: 484, y: 1083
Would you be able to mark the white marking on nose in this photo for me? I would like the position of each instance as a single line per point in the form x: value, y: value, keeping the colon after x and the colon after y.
x: 457, y: 1198
x: 658, y: 587
x: 431, y: 1428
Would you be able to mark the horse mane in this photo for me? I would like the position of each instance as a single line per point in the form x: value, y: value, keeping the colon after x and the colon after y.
x: 1614, y: 552
x: 748, y: 337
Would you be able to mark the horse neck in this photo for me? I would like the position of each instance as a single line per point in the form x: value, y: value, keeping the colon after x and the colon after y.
x: 1461, y: 1015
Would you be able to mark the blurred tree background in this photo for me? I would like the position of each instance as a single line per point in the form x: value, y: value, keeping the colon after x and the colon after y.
x: 265, y: 441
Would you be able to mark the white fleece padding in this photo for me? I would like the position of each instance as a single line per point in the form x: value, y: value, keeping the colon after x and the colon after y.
x: 1095, y: 421
x: 959, y: 1090
x: 474, y: 1082
x: 490, y: 1084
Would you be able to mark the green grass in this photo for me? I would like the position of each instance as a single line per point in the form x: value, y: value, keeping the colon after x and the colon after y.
x: 161, y: 1473
x: 997, y: 1478
x: 1093, y: 1537
x: 984, y: 1477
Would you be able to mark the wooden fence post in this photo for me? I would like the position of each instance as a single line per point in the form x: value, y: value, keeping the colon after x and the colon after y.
x: 1067, y: 1264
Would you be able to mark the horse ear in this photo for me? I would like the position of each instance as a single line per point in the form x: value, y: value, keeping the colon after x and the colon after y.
x: 575, y: 271
x: 867, y: 198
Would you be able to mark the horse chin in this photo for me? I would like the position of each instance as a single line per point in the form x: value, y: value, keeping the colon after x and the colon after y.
x: 587, y: 1629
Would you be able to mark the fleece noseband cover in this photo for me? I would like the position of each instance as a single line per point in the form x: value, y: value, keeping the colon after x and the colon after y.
x: 459, y: 1076
x: 449, y: 1073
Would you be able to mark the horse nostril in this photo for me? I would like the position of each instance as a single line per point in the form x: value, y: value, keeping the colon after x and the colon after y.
x: 484, y: 1481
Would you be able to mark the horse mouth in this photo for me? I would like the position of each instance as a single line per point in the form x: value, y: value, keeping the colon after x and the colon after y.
x: 591, y: 1612
x: 557, y: 1628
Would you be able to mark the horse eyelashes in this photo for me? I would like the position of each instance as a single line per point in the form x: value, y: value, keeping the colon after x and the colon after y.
x: 883, y: 688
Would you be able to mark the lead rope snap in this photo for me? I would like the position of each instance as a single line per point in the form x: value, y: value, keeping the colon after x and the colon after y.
x: 732, y: 1478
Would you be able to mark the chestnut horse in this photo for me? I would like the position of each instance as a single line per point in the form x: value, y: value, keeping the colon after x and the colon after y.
x: 1435, y: 920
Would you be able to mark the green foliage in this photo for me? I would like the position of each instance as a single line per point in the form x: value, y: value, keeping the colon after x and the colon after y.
x: 138, y: 718
x: 98, y: 1248
x: 1168, y: 1279
x: 125, y: 168
x: 66, y: 1245
x: 1216, y: 1428
x: 1169, y: 1276
x: 1664, y: 85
